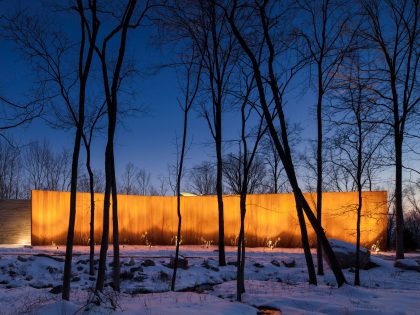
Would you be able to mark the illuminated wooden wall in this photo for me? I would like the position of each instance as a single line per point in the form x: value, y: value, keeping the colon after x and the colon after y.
x: 154, y: 218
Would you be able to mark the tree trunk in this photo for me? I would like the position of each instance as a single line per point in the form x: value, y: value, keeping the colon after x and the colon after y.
x: 111, y: 91
x: 115, y: 228
x: 92, y: 215
x: 105, y: 225
x: 178, y: 199
x: 72, y: 217
x: 305, y: 244
x: 240, y: 268
x: 284, y: 153
x: 219, y: 191
x: 83, y: 72
x: 359, y: 210
x: 178, y: 237
x: 335, y: 266
x: 319, y: 173
x: 399, y: 224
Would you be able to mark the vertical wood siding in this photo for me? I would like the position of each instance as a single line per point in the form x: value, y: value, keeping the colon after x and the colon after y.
x: 153, y: 219
x: 15, y: 222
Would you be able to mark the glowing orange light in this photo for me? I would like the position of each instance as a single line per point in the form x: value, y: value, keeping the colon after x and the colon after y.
x: 270, y: 217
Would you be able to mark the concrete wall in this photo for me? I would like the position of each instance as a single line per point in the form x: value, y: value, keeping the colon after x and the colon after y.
x: 153, y: 219
x: 15, y: 222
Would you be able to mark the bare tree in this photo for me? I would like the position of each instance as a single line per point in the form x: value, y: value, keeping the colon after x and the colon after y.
x: 85, y: 62
x: 48, y: 51
x: 276, y: 182
x: 192, y: 83
x: 98, y: 180
x: 204, y: 24
x: 355, y: 139
x: 92, y: 120
x: 58, y: 170
x: 412, y: 216
x: 143, y: 182
x: 216, y: 47
x: 10, y: 171
x: 162, y: 187
x: 391, y: 31
x: 46, y: 169
x: 172, y: 173
x: 128, y: 16
x: 202, y: 179
x: 136, y: 181
x: 35, y: 164
x: 326, y: 43
x: 239, y: 17
x: 233, y: 173
x: 128, y: 178
x: 245, y: 171
x: 13, y: 114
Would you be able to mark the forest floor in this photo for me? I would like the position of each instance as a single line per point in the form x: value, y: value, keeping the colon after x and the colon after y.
x: 27, y: 274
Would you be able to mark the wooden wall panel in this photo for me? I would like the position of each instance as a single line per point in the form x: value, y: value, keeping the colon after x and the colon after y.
x: 15, y: 218
x: 153, y: 219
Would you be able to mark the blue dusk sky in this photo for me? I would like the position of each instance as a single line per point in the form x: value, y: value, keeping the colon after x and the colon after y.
x: 146, y: 139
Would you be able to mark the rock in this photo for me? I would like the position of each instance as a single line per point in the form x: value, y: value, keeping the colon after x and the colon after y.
x: 407, y: 264
x: 148, y: 263
x: 12, y: 273
x: 232, y: 263
x: 141, y: 277
x: 75, y: 279
x: 289, y: 263
x: 275, y: 263
x: 139, y: 290
x: 258, y: 265
x: 207, y: 265
x: 79, y: 268
x: 82, y: 261
x: 134, y: 269
x: 182, y: 262
x: 22, y: 259
x: 110, y: 284
x: 92, y: 278
x: 29, y: 278
x: 131, y: 262
x: 52, y: 269
x: 163, y: 276
x: 346, y: 254
x: 201, y: 288
x: 126, y: 275
x: 59, y: 259
x: 370, y: 265
x: 39, y: 285
x: 57, y: 289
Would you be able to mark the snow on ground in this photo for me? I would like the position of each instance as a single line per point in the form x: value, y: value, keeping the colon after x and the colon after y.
x: 28, y: 274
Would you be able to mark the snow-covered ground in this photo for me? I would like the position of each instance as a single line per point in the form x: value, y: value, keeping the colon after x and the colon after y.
x: 28, y: 274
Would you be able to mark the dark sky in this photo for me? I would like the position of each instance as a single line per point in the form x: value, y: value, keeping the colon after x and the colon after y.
x: 147, y: 139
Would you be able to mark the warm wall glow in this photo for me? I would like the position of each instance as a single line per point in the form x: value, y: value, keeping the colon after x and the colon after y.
x: 153, y: 218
